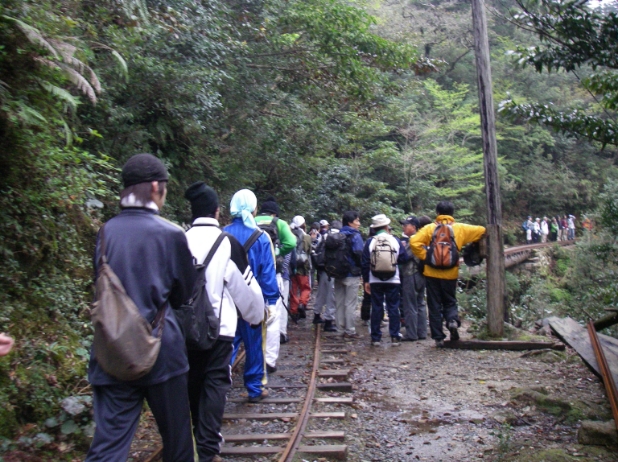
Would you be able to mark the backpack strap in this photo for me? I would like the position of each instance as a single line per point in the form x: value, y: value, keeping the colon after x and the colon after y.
x: 254, y: 237
x: 214, y: 248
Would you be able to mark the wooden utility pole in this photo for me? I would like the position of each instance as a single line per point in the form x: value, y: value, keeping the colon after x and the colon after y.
x: 495, y: 257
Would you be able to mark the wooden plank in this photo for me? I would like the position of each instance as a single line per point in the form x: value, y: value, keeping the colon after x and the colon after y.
x: 337, y: 451
x: 255, y: 437
x: 333, y: 361
x: 338, y: 400
x: 336, y: 386
x: 501, y: 345
x: 291, y: 385
x: 250, y: 437
x: 269, y: 400
x: 606, y: 321
x: 328, y: 415
x: 259, y: 416
x: 340, y: 373
x: 608, y: 378
x: 285, y: 374
x: 577, y: 337
x: 335, y: 435
x: 333, y: 352
x: 249, y: 450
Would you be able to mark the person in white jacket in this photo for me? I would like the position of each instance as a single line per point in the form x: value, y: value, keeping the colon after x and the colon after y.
x: 232, y: 289
x: 544, y: 230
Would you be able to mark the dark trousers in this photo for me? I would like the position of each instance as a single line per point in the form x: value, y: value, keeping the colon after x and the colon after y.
x: 209, y: 382
x: 117, y: 410
x: 442, y: 304
x: 413, y: 306
x: 366, y: 306
x: 391, y: 294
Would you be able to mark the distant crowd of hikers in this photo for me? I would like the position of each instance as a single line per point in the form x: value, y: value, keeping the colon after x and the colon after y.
x: 555, y: 229
x: 172, y: 307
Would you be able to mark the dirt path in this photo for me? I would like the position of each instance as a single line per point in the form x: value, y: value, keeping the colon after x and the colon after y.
x: 416, y: 402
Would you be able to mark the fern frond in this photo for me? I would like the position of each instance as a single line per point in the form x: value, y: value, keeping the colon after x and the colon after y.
x: 80, y: 82
x: 67, y: 51
x: 123, y: 64
x: 60, y: 93
x: 34, y: 35
x: 28, y: 115
x: 118, y: 56
x: 68, y: 133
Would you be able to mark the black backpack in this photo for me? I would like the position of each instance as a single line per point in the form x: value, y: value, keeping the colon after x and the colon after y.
x: 273, y: 232
x: 319, y: 256
x: 197, y: 316
x: 336, y: 252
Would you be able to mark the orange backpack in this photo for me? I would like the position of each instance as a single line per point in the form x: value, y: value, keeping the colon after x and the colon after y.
x: 442, y: 252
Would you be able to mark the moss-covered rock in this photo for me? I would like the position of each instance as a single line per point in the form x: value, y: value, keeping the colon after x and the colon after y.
x: 598, y: 433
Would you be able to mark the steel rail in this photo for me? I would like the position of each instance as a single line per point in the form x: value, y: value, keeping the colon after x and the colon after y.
x: 606, y: 373
x: 303, y: 418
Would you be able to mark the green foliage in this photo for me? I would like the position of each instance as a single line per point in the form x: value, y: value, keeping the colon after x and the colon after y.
x: 572, y: 36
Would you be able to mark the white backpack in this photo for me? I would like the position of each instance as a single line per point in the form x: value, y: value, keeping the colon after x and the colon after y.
x: 383, y: 260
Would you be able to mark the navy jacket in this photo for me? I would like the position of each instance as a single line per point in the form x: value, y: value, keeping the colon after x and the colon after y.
x: 356, y: 252
x: 151, y: 258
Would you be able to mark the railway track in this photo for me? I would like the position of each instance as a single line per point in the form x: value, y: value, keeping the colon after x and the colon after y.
x: 303, y: 412
x: 306, y: 409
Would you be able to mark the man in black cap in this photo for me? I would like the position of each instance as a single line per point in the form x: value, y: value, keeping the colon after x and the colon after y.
x: 230, y: 286
x: 151, y: 258
x: 413, y: 305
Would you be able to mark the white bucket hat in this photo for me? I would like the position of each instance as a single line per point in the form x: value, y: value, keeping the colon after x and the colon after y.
x: 379, y: 220
x: 297, y: 222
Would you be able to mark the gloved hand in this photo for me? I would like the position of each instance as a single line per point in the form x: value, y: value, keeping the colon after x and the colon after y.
x: 271, y: 314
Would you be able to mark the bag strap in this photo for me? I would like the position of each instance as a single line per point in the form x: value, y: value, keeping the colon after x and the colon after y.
x: 254, y: 237
x: 102, y: 256
x: 214, y: 248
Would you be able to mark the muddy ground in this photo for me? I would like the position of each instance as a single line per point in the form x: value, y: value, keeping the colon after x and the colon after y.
x: 417, y: 402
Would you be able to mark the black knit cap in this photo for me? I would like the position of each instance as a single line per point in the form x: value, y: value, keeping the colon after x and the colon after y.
x: 269, y: 206
x: 204, y: 199
x: 143, y: 168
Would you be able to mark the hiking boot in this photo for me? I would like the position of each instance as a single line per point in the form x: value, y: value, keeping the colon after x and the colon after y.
x: 271, y: 369
x: 351, y: 336
x: 328, y: 326
x: 396, y: 341
x: 317, y: 319
x: 295, y: 317
x: 302, y: 311
x: 260, y: 397
x: 452, y: 328
x: 376, y: 343
x: 283, y: 338
x: 439, y: 343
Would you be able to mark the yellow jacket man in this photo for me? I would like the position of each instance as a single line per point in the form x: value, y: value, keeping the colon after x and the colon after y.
x: 442, y: 283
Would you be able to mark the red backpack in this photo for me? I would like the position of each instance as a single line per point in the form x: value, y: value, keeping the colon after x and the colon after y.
x: 442, y: 252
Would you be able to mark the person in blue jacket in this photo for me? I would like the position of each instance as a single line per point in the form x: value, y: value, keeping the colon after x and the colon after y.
x: 262, y: 262
x: 151, y: 258
x: 346, y: 289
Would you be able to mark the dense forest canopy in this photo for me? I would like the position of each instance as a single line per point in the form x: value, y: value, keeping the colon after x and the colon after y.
x: 328, y: 105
